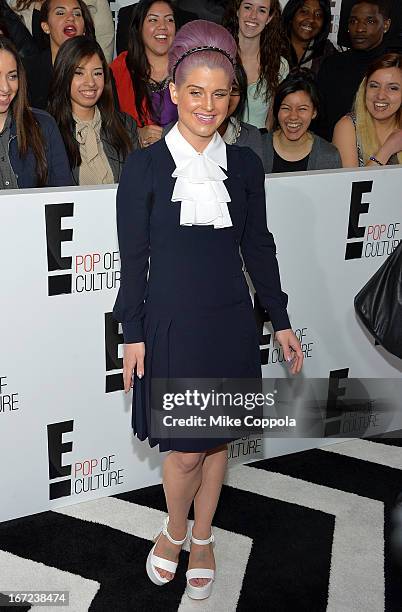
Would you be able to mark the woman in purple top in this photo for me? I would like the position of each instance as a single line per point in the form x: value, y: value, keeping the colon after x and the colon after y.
x: 141, y: 73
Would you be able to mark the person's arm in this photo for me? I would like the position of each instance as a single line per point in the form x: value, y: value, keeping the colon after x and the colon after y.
x: 392, y: 146
x: 132, y: 130
x: 19, y: 34
x: 124, y: 18
x: 134, y: 201
x: 59, y: 171
x: 259, y: 254
x: 345, y: 141
x: 104, y: 26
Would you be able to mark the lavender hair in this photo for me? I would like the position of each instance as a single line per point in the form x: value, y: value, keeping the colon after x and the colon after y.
x: 201, y: 33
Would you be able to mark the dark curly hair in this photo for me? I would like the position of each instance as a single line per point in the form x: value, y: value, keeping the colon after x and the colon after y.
x: 273, y: 44
x: 290, y: 10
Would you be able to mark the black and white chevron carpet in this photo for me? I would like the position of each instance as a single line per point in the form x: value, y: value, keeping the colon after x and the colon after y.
x: 313, y: 531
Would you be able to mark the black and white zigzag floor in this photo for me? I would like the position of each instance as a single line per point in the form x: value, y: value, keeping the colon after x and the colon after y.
x: 307, y: 532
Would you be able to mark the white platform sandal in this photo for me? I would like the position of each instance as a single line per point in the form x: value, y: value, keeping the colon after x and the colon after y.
x: 154, y: 561
x: 200, y: 592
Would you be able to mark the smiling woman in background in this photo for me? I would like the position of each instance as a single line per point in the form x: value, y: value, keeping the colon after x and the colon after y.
x: 97, y: 138
x: 292, y: 147
x: 32, y: 151
x: 141, y: 72
x: 371, y: 135
x: 257, y: 28
x: 61, y: 20
x: 307, y: 24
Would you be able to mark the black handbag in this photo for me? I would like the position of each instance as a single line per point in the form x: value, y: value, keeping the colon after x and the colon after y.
x: 379, y: 304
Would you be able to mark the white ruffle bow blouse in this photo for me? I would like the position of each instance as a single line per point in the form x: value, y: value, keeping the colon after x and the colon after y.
x: 199, y: 181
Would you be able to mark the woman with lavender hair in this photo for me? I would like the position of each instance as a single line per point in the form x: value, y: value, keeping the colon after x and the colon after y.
x: 186, y: 206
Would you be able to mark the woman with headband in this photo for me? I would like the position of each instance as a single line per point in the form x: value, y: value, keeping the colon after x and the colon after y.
x: 185, y: 206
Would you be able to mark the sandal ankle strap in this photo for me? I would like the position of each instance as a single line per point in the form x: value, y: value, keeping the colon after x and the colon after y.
x: 169, y: 537
x: 203, y: 542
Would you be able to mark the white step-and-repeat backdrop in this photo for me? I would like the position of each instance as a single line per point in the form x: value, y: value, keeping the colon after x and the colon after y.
x: 65, y: 432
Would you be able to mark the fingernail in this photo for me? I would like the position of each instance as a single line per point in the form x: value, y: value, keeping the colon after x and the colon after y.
x: 288, y: 358
x: 140, y: 375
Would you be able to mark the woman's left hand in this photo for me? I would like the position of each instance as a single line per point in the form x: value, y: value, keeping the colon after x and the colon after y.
x: 291, y: 349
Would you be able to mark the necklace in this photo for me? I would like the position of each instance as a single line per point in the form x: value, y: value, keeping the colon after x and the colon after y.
x: 157, y: 86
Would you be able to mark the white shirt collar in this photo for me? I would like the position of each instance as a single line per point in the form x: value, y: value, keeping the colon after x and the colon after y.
x: 200, y: 180
x: 181, y: 149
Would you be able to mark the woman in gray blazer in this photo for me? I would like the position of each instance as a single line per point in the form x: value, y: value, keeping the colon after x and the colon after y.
x: 291, y: 147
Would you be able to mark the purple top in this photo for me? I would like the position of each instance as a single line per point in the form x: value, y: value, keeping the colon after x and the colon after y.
x: 164, y: 110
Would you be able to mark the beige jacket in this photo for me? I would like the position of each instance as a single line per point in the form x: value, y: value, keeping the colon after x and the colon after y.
x: 103, y: 21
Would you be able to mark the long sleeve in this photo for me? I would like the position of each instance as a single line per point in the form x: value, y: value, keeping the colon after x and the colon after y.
x: 19, y: 33
x: 258, y: 246
x: 57, y: 160
x: 134, y: 201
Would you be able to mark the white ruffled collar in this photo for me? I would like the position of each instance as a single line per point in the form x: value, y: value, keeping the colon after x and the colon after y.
x: 199, y: 182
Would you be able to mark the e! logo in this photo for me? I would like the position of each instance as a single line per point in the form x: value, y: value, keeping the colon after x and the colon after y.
x: 357, y: 207
x: 56, y: 449
x: 55, y: 236
x: 261, y: 317
x: 334, y: 407
x: 113, y: 339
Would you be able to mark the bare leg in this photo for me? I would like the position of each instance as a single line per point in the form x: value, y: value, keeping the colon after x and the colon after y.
x: 182, y: 473
x: 205, y: 502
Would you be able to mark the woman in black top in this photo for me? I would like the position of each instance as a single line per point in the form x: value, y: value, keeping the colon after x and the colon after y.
x: 307, y: 24
x: 60, y: 20
x: 292, y: 147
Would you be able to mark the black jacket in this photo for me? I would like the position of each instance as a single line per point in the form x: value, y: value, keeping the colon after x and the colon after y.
x: 39, y: 70
x: 59, y: 174
x: 19, y: 34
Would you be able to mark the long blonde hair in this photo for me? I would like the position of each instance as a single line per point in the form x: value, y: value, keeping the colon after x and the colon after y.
x: 366, y: 133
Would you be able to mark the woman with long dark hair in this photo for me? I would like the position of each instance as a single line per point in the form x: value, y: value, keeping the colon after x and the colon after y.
x: 257, y: 28
x: 97, y: 139
x: 32, y: 151
x: 141, y: 72
x: 60, y: 20
x: 307, y: 24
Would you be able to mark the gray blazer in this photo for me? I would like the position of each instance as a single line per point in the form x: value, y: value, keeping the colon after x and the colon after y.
x: 323, y: 156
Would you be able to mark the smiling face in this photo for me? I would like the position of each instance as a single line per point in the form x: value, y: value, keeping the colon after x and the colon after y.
x: 8, y: 83
x: 158, y: 29
x: 64, y: 21
x: 253, y: 16
x: 87, y: 86
x: 384, y: 93
x: 366, y: 26
x: 202, y: 103
x: 308, y: 21
x: 295, y: 115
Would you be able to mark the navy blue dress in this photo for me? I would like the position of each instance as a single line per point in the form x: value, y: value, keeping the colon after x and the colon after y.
x: 193, y: 310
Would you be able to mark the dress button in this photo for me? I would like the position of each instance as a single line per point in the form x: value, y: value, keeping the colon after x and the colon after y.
x: 7, y: 182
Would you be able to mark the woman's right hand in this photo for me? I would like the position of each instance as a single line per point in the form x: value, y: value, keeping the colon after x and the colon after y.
x: 133, y: 359
x: 149, y: 134
x: 391, y: 146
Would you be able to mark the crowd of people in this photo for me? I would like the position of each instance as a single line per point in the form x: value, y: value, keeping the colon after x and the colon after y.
x: 70, y: 113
